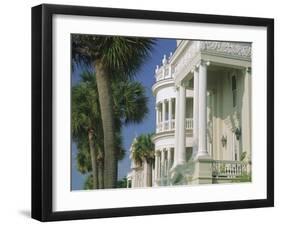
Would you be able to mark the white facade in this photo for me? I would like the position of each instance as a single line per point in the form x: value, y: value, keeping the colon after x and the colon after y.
x: 203, y: 109
x: 139, y: 174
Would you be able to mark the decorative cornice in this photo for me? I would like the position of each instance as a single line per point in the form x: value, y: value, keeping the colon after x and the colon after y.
x: 227, y: 48
x: 189, y: 53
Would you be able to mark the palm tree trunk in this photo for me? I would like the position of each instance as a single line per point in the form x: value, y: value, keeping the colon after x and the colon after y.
x: 100, y: 174
x: 93, y: 159
x: 106, y: 107
x: 101, y: 169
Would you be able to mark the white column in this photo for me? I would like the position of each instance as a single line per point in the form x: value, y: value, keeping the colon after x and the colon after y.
x: 163, y: 112
x: 182, y: 111
x: 195, y: 110
x: 160, y: 116
x: 157, y: 119
x: 162, y: 163
x: 159, y: 166
x: 156, y: 167
x: 169, y: 158
x: 170, y: 113
x: 160, y: 112
x: 157, y: 114
x: 202, y: 147
x: 177, y: 110
x: 246, y: 115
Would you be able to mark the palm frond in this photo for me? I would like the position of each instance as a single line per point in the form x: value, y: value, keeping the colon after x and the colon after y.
x: 122, y: 56
x: 143, y: 148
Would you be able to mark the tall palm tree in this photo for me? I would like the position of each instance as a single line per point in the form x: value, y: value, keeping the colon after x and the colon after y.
x: 129, y: 97
x: 110, y: 56
x: 143, y: 151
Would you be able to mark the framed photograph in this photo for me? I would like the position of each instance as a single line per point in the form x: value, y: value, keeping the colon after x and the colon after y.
x: 146, y: 112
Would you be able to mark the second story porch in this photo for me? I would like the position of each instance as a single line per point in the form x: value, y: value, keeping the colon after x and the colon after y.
x: 166, y: 115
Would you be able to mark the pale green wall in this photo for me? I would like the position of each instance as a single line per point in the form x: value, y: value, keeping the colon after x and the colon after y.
x: 223, y: 118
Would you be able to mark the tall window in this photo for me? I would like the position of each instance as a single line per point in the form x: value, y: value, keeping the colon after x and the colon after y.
x: 234, y: 90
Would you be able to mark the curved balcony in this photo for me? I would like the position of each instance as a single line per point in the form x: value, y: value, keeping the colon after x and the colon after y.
x: 169, y: 125
x: 166, y: 70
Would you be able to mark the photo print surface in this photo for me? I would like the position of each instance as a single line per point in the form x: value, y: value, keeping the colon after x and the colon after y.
x: 150, y: 112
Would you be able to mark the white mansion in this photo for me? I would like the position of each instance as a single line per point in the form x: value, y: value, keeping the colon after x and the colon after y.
x: 203, y: 116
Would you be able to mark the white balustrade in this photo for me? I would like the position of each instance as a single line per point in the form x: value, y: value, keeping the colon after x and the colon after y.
x: 164, y: 72
x: 159, y: 127
x: 164, y: 126
x: 228, y: 169
x: 189, y: 123
x: 173, y: 124
x: 159, y: 75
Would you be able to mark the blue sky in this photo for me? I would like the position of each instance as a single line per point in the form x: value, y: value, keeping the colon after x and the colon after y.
x: 146, y: 77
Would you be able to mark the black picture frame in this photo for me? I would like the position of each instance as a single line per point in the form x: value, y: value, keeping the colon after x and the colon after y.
x: 42, y: 111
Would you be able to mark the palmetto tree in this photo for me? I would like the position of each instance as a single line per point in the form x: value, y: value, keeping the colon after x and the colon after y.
x: 143, y: 151
x: 128, y: 98
x: 110, y: 56
x: 86, y: 126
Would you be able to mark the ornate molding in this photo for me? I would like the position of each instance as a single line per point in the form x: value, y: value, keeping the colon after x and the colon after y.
x: 188, y: 54
x: 227, y: 48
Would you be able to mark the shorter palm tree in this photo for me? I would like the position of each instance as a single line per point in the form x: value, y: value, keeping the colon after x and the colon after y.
x: 143, y: 152
x: 129, y: 97
x: 83, y: 157
x: 86, y: 125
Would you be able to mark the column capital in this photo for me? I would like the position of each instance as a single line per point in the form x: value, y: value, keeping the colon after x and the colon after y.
x: 195, y: 68
x: 177, y: 87
x: 203, y: 63
x: 185, y: 83
x: 248, y: 70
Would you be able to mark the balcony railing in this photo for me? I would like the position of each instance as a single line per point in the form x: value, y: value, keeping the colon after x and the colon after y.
x: 189, y: 123
x: 228, y: 169
x: 165, y: 72
x: 169, y: 125
x: 173, y: 124
x: 166, y: 125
